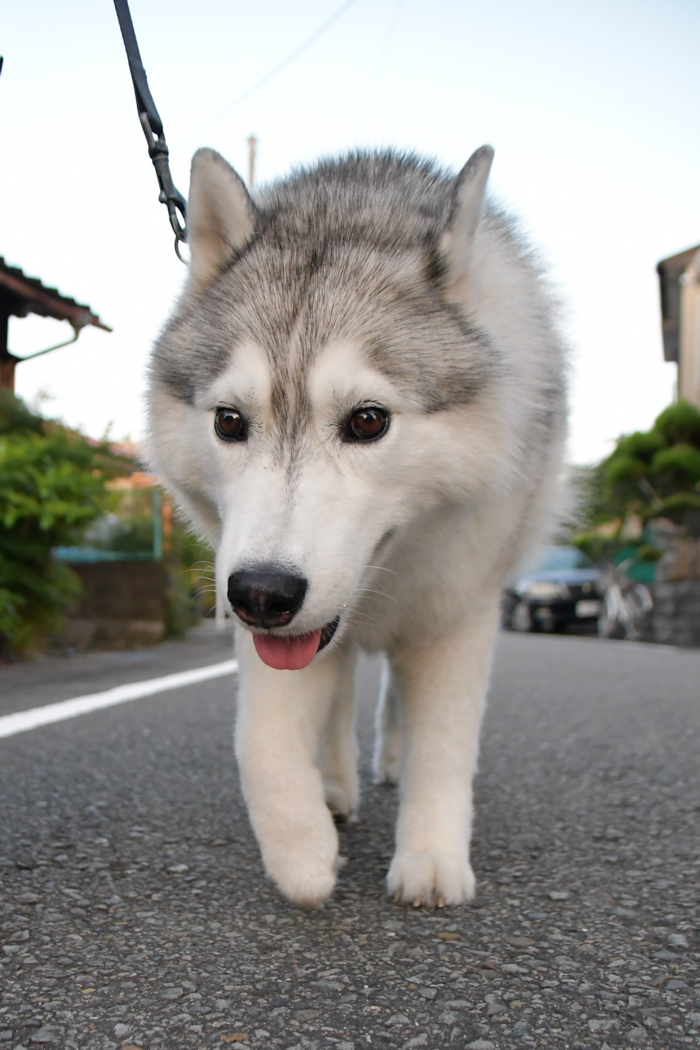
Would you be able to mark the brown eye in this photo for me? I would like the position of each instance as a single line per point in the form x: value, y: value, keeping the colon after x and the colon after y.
x: 230, y: 425
x: 367, y: 424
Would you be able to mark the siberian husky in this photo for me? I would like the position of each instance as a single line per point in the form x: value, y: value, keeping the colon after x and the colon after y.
x: 360, y: 401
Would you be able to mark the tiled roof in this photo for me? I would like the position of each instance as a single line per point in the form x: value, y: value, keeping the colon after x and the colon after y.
x: 30, y: 295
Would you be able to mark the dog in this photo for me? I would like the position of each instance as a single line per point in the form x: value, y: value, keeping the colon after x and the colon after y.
x: 360, y: 401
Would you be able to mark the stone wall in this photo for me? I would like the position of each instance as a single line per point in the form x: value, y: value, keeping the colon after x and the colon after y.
x: 676, y: 617
x: 677, y: 612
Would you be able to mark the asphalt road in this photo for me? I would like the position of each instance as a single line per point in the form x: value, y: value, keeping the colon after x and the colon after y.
x: 134, y: 910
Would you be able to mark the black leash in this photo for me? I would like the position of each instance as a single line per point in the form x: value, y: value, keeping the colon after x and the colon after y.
x: 153, y: 129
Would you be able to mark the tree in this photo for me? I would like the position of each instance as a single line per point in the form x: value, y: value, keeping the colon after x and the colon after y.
x: 649, y: 475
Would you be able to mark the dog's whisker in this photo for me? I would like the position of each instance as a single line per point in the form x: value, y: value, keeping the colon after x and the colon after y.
x: 382, y: 568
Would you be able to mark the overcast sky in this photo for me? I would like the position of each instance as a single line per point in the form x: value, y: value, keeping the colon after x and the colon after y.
x: 592, y: 108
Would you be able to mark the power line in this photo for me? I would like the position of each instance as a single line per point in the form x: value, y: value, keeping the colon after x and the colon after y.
x: 384, y: 54
x: 272, y: 73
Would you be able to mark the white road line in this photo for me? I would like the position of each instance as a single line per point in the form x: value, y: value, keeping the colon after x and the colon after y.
x: 120, y: 694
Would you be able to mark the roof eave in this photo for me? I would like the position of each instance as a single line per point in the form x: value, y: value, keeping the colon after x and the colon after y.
x: 40, y: 301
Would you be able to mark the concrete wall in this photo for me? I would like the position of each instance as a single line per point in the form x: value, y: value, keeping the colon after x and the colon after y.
x: 122, y: 605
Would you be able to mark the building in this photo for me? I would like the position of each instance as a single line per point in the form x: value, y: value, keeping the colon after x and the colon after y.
x: 679, y: 279
x: 21, y: 295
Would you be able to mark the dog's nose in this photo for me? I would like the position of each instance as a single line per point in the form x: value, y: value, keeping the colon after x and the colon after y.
x: 266, y: 597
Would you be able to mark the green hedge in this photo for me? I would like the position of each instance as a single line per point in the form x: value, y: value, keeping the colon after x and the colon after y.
x: 52, y: 485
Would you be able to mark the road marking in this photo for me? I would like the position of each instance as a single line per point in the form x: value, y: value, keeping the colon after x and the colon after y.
x: 120, y: 694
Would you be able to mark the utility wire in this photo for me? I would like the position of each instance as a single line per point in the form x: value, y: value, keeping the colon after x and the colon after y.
x: 272, y: 73
x: 384, y: 54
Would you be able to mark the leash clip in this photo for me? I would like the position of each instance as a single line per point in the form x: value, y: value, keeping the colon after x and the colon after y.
x: 169, y: 194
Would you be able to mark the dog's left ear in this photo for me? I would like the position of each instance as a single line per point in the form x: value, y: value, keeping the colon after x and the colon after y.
x: 467, y: 208
x: 220, y: 216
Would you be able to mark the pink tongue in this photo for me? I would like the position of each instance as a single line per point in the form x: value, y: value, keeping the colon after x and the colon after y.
x: 287, y: 654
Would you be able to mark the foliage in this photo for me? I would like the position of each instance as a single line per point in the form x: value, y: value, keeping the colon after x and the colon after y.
x: 190, y: 572
x: 128, y: 529
x: 52, y: 485
x: 649, y: 475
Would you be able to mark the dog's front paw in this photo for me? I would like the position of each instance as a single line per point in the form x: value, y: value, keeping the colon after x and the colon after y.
x: 305, y: 867
x: 431, y: 877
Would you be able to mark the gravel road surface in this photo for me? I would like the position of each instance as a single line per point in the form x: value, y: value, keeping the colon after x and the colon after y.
x: 134, y: 911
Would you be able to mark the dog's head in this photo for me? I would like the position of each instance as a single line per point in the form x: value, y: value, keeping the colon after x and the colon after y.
x: 324, y: 380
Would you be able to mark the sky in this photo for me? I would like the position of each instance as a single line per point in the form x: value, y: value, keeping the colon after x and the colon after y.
x: 590, y: 106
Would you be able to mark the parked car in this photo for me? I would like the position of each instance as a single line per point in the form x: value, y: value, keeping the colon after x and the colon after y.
x: 562, y: 589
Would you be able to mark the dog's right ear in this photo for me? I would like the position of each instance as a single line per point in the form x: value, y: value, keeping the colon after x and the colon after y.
x: 220, y: 216
x: 463, y: 223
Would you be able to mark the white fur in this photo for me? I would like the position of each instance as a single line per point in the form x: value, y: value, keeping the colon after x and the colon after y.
x: 409, y: 539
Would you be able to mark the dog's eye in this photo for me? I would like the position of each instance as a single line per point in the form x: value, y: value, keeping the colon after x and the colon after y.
x: 366, y: 424
x: 230, y: 425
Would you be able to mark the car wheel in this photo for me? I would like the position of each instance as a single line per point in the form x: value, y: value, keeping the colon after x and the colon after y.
x: 521, y: 618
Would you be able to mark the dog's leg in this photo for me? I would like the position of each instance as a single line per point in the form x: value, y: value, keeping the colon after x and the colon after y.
x: 338, y: 752
x: 281, y: 717
x: 443, y: 690
x: 387, y: 731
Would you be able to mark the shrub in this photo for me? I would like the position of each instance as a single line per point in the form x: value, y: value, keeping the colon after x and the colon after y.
x: 52, y: 485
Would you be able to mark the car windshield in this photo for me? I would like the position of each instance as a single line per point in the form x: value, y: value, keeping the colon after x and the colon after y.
x: 561, y: 559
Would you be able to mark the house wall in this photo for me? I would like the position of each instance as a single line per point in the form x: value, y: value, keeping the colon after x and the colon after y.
x: 689, y: 349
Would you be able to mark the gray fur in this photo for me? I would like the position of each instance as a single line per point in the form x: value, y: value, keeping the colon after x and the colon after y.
x: 330, y: 254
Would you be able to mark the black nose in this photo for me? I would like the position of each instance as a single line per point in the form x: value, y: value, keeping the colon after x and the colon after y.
x: 266, y: 597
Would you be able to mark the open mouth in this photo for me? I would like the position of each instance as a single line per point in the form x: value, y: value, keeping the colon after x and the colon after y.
x: 327, y: 633
x: 295, y: 651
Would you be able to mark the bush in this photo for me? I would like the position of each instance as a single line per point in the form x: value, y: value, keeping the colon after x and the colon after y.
x: 52, y: 485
